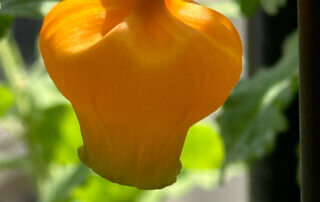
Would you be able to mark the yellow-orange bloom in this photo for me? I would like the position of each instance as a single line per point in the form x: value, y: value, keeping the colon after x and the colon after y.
x: 139, y: 73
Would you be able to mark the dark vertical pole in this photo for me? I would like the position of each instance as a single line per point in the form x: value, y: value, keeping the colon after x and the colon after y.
x: 309, y: 26
x: 273, y: 178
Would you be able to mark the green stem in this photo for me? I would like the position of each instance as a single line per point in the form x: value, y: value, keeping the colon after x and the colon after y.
x: 14, y: 71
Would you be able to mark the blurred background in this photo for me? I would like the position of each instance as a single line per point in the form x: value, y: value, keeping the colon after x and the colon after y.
x: 247, y: 151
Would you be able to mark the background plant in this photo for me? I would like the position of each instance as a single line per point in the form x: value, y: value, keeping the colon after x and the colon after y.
x: 34, y: 113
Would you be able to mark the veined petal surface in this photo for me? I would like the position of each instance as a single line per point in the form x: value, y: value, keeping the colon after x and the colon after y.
x: 139, y: 73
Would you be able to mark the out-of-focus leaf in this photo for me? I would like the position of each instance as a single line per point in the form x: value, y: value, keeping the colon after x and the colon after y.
x: 57, y: 134
x: 5, y: 23
x: 62, y: 181
x: 43, y: 92
x: 228, y: 8
x: 203, y: 148
x: 99, y: 190
x: 249, y: 7
x: 6, y: 99
x: 254, y: 112
x: 26, y: 8
x: 272, y: 6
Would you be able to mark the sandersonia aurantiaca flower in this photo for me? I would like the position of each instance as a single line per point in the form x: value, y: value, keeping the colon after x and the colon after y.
x: 139, y: 73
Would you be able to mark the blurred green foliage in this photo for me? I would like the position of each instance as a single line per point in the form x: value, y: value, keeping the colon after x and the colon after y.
x: 56, y: 132
x: 202, y: 138
x: 235, y: 8
x: 34, y: 112
x: 97, y: 188
x: 254, y: 113
x: 272, y: 6
x: 249, y: 7
x: 6, y: 99
x: 5, y: 22
x: 26, y: 8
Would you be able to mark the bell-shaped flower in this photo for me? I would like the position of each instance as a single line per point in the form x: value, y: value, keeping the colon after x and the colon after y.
x: 138, y: 74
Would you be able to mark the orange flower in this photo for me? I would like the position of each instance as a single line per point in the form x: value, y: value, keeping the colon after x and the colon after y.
x: 139, y: 73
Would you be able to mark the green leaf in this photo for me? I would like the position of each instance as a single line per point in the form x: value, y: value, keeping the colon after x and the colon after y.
x: 99, y: 189
x: 7, y: 99
x: 203, y: 148
x: 57, y: 135
x: 26, y: 8
x: 253, y: 114
x: 249, y: 7
x: 272, y: 6
x: 5, y: 23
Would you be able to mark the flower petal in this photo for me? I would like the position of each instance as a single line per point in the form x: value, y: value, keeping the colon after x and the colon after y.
x: 138, y: 83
